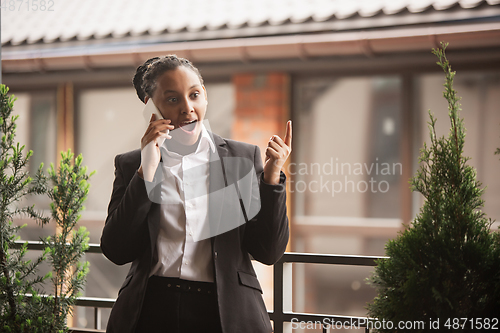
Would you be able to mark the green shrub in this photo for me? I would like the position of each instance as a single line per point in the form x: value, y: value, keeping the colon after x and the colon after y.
x: 446, y: 265
x: 22, y: 307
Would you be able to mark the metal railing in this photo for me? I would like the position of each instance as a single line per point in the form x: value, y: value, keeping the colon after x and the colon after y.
x: 279, y: 316
x: 282, y: 269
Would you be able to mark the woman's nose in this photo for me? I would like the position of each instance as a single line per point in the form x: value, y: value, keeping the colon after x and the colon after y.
x: 187, y: 106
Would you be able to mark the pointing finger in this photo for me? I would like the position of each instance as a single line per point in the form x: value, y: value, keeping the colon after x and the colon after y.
x: 288, y: 134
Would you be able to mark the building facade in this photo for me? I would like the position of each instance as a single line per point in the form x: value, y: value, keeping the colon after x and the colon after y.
x: 357, y: 79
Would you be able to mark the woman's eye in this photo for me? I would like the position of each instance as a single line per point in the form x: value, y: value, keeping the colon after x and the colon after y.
x: 196, y: 94
x: 172, y: 99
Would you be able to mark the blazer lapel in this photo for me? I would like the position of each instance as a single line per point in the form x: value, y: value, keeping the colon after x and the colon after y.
x: 217, y: 185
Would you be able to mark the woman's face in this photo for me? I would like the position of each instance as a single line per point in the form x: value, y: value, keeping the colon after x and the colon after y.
x: 181, y: 98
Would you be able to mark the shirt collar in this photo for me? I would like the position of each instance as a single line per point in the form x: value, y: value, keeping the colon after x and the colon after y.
x: 206, y: 137
x: 206, y: 142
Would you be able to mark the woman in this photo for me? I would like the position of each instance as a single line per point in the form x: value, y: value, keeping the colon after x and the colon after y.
x: 181, y: 281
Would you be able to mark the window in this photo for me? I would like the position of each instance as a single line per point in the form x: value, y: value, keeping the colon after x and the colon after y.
x: 346, y: 184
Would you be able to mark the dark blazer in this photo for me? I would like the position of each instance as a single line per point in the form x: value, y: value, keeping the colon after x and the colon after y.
x: 132, y: 226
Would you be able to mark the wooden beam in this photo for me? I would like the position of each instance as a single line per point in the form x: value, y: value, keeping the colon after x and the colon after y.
x: 65, y: 119
x: 406, y: 147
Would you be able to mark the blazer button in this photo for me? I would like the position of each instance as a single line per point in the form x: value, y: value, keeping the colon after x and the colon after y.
x: 215, y: 254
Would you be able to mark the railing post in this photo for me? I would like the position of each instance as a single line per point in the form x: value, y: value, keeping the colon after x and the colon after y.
x: 278, y: 316
x: 97, y: 318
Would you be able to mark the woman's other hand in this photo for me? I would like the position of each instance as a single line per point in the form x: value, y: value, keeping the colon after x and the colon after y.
x: 277, y: 151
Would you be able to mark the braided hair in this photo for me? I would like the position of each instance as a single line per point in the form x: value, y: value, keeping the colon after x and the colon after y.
x: 146, y: 74
x: 138, y: 78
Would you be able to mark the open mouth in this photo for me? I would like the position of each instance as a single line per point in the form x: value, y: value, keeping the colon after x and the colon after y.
x: 188, y: 126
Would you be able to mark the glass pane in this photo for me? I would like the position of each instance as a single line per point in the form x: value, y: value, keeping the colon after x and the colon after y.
x: 331, y: 289
x: 348, y: 158
x: 265, y: 276
x: 109, y: 122
x: 220, y: 109
x: 36, y: 129
x: 104, y: 281
x: 346, y: 172
x: 43, y: 130
x: 22, y: 109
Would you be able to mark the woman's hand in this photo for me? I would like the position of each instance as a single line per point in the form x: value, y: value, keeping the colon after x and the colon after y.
x: 277, y: 152
x: 156, y: 133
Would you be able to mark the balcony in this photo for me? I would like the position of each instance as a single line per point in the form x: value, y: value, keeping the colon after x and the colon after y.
x: 282, y: 281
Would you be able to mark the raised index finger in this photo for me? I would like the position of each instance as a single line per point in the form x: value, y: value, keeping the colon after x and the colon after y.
x: 288, y: 134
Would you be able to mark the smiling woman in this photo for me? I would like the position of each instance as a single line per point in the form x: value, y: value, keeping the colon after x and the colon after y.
x: 180, y: 281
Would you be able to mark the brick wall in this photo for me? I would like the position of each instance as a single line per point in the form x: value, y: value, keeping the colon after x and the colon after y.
x: 262, y: 107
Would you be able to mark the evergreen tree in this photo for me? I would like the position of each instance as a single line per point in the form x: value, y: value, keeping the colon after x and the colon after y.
x: 22, y: 309
x: 446, y: 265
x: 67, y: 247
x: 18, y: 276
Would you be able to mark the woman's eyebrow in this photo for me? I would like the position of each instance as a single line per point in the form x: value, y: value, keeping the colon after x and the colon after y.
x: 169, y: 91
x: 174, y: 91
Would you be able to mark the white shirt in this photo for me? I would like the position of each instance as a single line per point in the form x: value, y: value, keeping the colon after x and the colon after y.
x: 184, y: 211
